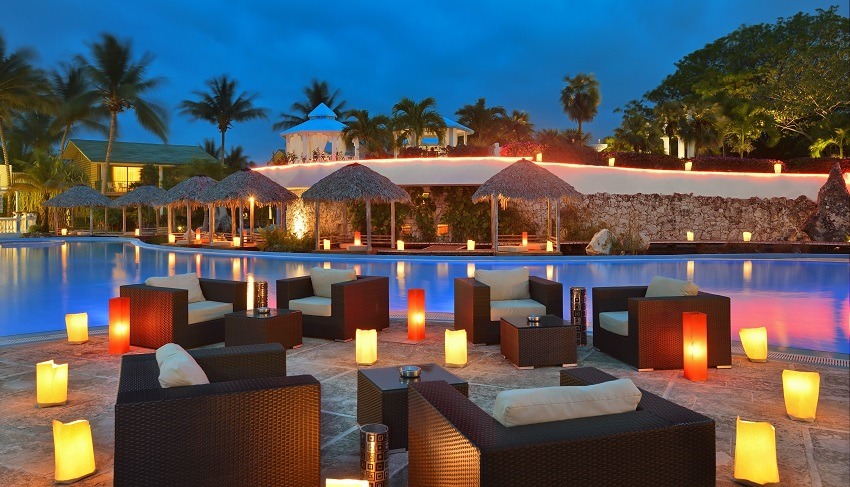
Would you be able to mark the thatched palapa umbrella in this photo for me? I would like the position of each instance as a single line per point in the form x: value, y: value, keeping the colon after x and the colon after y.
x: 186, y: 193
x: 142, y: 196
x: 245, y: 186
x: 524, y: 180
x: 78, y: 196
x: 356, y: 182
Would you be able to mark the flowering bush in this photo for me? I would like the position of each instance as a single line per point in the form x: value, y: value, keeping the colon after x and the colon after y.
x: 524, y: 148
x: 816, y: 165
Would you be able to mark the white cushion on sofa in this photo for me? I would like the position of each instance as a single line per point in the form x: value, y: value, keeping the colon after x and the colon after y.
x: 208, y: 310
x: 615, y: 321
x: 188, y: 282
x: 178, y: 368
x: 323, y: 278
x: 665, y: 286
x: 530, y: 406
x: 505, y: 284
x: 515, y: 307
x: 312, y: 305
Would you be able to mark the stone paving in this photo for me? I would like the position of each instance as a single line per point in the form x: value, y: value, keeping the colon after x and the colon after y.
x: 810, y: 454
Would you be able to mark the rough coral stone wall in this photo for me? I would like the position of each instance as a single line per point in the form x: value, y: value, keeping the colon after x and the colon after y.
x: 301, y: 216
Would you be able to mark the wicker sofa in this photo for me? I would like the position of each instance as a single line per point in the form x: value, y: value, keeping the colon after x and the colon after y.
x: 362, y: 303
x: 251, y: 425
x: 472, y: 306
x: 454, y: 442
x: 160, y: 315
x: 654, y: 338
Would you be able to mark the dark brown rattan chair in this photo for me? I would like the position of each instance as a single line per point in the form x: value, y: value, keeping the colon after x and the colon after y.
x: 251, y: 425
x: 454, y: 442
x: 472, y: 306
x: 363, y: 303
x: 160, y: 315
x: 655, y: 327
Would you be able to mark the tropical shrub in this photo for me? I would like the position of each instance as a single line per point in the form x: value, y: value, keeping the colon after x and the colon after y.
x: 278, y: 240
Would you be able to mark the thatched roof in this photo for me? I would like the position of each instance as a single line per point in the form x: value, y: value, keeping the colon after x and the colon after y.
x: 77, y: 196
x: 524, y: 180
x: 245, y: 184
x: 142, y: 196
x: 355, y: 182
x: 187, y: 192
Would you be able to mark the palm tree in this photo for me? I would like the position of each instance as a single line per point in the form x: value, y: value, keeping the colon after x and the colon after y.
x: 580, y: 98
x: 209, y: 147
x: 236, y: 159
x: 517, y: 126
x: 700, y: 124
x: 220, y: 108
x: 47, y: 175
x: 485, y: 121
x: 413, y: 119
x: 372, y: 133
x: 316, y: 93
x: 30, y: 131
x: 20, y: 90
x: 120, y: 84
x: 76, y: 103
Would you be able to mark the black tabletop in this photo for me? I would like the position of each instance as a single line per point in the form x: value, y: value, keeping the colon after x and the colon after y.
x: 389, y: 378
x: 545, y: 321
x: 252, y: 313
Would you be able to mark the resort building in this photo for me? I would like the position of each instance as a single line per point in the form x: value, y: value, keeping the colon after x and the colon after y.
x: 128, y: 158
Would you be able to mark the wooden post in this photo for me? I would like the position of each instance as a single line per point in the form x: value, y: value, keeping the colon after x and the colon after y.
x: 169, y: 216
x: 392, y: 224
x: 91, y: 220
x: 188, y: 222
x: 317, y: 224
x: 212, y: 223
x: 123, y: 219
x: 368, y: 225
x: 558, y: 225
x: 139, y: 208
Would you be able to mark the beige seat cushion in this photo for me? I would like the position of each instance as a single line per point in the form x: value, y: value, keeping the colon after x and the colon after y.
x: 178, y: 368
x: 188, y: 282
x: 537, y: 246
x: 505, y: 284
x: 513, y: 248
x: 356, y: 248
x: 515, y: 307
x: 542, y: 405
x: 208, y: 310
x: 323, y: 278
x: 615, y: 321
x: 313, y: 305
x: 665, y: 287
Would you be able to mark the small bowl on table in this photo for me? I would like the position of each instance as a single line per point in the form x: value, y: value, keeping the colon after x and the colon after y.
x: 409, y: 371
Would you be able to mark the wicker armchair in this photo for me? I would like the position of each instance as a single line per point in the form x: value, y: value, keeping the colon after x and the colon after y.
x: 454, y: 442
x: 654, y: 338
x: 363, y: 303
x: 160, y: 315
x: 472, y: 306
x: 251, y: 425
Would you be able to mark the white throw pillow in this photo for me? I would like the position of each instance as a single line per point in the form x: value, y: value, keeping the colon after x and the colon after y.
x: 665, y: 287
x: 323, y: 278
x: 178, y: 368
x: 509, y: 284
x: 188, y: 282
x: 530, y: 406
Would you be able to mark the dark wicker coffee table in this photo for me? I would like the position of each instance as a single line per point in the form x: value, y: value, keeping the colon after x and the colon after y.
x: 249, y: 327
x: 552, y: 341
x: 382, y: 397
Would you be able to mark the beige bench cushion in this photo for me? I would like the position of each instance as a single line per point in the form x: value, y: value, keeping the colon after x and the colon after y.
x: 505, y: 284
x: 513, y: 248
x: 188, y: 282
x: 665, y: 287
x: 515, y: 307
x: 208, y: 310
x: 313, y: 305
x: 615, y: 321
x: 356, y: 248
x: 322, y: 279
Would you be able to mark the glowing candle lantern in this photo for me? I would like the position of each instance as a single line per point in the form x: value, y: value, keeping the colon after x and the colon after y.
x: 346, y: 483
x: 688, y: 165
x: 366, y: 346
x: 525, y: 239
x: 754, y: 341
x: 326, y: 244
x: 694, y: 345
x: 73, y: 451
x: 755, y: 453
x: 690, y: 236
x: 137, y: 232
x: 539, y: 157
x: 470, y: 270
x: 415, y: 314
x: 77, y: 326
x: 455, y: 348
x: 801, y: 391
x: 357, y: 238
x: 777, y: 168
x: 611, y: 161
x: 64, y: 232
x: 198, y: 237
x: 51, y: 384
x: 470, y: 245
x: 172, y: 238
x: 237, y: 241
x: 747, y: 236
x: 119, y: 326
x: 550, y: 247
x: 399, y: 244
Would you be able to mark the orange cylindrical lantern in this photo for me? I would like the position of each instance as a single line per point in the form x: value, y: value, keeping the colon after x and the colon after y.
x: 415, y: 314
x: 357, y: 241
x: 119, y: 326
x: 694, y: 345
x: 525, y: 239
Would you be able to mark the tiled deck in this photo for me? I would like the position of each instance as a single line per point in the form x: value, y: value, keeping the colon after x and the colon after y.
x: 810, y: 454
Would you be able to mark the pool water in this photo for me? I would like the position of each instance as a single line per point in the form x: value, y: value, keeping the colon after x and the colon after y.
x: 803, y: 301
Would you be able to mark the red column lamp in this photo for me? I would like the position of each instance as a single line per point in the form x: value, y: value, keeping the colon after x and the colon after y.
x: 695, y: 345
x: 415, y: 314
x: 119, y: 326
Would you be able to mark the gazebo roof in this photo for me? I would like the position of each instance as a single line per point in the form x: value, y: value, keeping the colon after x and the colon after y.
x: 316, y: 125
x: 452, y: 124
x: 355, y: 182
x: 142, y: 196
x: 245, y: 184
x: 525, y: 180
x: 76, y: 196
x: 322, y: 111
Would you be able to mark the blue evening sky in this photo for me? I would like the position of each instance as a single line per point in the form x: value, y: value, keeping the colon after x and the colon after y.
x: 514, y: 54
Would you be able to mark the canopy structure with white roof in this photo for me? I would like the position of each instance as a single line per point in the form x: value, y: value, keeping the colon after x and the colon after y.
x: 320, y: 128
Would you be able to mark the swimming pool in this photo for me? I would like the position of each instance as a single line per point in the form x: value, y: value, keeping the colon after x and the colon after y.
x: 803, y: 301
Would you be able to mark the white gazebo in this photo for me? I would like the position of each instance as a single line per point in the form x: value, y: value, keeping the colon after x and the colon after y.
x: 454, y: 134
x: 320, y: 128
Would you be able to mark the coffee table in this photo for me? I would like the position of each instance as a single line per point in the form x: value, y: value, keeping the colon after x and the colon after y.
x: 382, y: 397
x: 249, y: 327
x: 551, y: 341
